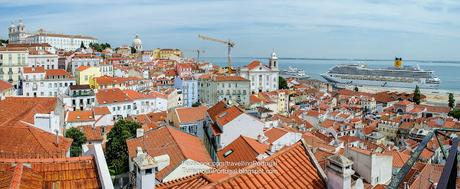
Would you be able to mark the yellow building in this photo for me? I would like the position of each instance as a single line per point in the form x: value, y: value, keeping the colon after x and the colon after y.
x: 85, y: 74
x: 167, y: 53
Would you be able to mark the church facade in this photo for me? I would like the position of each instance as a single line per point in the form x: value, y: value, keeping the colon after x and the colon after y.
x: 264, y: 78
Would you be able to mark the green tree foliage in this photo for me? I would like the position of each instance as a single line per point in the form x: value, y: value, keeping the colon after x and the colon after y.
x: 133, y: 50
x: 417, y: 95
x: 196, y: 104
x: 82, y: 46
x: 99, y: 47
x: 455, y: 113
x: 78, y: 140
x: 117, y: 149
x: 451, y: 100
x: 3, y: 41
x: 282, y: 83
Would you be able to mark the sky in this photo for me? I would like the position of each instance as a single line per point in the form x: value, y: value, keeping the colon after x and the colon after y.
x: 376, y: 29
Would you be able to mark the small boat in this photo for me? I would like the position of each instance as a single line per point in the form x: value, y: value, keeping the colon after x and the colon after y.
x: 294, y: 72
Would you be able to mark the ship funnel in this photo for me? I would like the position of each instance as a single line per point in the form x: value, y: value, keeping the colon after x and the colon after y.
x: 398, y: 62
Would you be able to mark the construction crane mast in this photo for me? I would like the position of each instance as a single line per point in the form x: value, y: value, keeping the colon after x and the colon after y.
x: 198, y: 52
x: 230, y: 45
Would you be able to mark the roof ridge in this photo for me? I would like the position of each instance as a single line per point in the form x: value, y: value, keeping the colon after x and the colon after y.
x: 39, y: 141
x: 247, y: 142
x: 17, y: 175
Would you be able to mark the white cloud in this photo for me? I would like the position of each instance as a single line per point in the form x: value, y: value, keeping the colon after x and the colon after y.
x: 256, y: 24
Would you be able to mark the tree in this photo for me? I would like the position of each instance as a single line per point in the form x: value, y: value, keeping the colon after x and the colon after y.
x: 79, y: 139
x: 196, y: 104
x: 99, y: 47
x: 282, y: 83
x: 133, y: 50
x: 451, y: 100
x: 82, y: 46
x: 417, y: 95
x: 3, y: 41
x: 356, y: 89
x: 455, y: 113
x: 117, y: 149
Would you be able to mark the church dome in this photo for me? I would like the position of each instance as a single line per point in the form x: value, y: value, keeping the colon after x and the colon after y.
x: 137, y: 41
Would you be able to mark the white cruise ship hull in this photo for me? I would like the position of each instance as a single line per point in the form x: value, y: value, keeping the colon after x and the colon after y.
x: 337, y: 80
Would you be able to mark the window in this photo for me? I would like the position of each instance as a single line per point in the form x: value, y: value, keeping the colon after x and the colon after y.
x: 227, y: 153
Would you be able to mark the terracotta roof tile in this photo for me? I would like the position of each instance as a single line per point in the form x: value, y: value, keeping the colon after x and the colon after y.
x: 242, y: 149
x: 274, y: 134
x: 10, y: 113
x: 229, y: 78
x: 22, y: 140
x: 109, y: 96
x: 228, y: 115
x: 292, y: 168
x: 5, y: 85
x: 216, y: 109
x: 28, y: 70
x: 81, y: 68
x: 80, y: 116
x: 169, y: 140
x: 191, y: 114
x: 101, y: 110
x: 76, y: 172
x: 95, y: 133
x: 253, y: 64
x: 57, y: 72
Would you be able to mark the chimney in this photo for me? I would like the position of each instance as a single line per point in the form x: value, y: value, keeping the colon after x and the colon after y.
x: 262, y: 139
x: 163, y: 161
x: 57, y: 137
x: 139, y: 132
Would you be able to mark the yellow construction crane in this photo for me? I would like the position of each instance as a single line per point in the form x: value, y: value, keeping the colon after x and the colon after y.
x: 230, y: 45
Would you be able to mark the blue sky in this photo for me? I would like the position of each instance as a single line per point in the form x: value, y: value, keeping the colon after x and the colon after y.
x: 424, y: 29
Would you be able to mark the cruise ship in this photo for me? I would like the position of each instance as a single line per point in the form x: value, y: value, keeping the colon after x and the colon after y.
x: 396, y: 76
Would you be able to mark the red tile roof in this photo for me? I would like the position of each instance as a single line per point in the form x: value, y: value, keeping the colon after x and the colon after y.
x: 216, y: 109
x: 191, y: 114
x: 76, y: 172
x: 292, y: 168
x: 10, y: 113
x: 80, y: 116
x: 57, y: 72
x: 81, y: 68
x: 228, y: 115
x: 274, y: 134
x: 229, y: 78
x: 242, y: 149
x: 253, y: 64
x: 28, y: 70
x: 179, y: 145
x: 5, y: 85
x: 399, y: 159
x: 19, y: 176
x: 101, y: 110
x: 109, y: 96
x: 107, y: 80
x: 95, y: 133
x: 134, y: 94
x: 22, y: 140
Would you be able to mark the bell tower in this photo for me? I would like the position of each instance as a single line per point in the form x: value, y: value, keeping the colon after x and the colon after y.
x: 273, y: 60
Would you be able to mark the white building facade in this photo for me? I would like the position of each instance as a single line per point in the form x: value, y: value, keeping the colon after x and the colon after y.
x: 263, y: 78
x: 50, y: 83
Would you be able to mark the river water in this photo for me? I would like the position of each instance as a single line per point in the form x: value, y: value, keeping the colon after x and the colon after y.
x: 447, y: 71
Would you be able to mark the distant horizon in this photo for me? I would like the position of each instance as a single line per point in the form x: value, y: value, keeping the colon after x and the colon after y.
x: 353, y: 59
x: 423, y: 30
